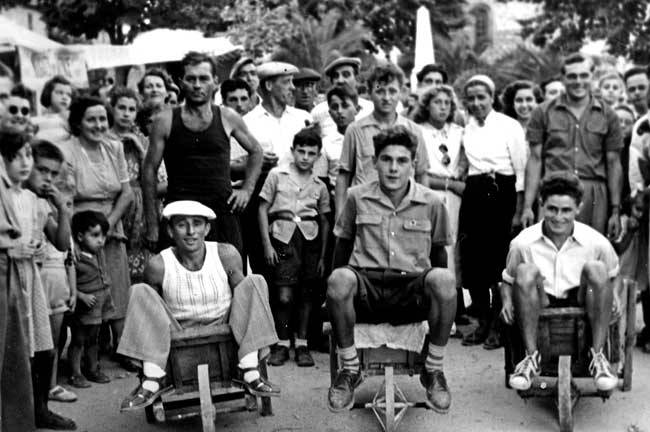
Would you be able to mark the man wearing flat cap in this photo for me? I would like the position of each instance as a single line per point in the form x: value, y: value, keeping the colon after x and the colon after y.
x: 306, y: 83
x: 342, y: 70
x: 246, y: 71
x: 194, y: 141
x: 273, y: 123
x: 191, y: 284
x: 495, y: 148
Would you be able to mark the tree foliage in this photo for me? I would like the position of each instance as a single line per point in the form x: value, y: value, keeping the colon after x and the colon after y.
x: 564, y: 26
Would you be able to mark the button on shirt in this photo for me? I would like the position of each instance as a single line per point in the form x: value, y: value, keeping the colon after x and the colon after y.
x: 287, y: 193
x: 499, y: 146
x: 358, y: 148
x: 276, y: 134
x: 561, y: 268
x: 386, y: 236
x: 575, y: 145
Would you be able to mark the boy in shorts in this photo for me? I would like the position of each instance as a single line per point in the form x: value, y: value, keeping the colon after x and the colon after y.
x: 59, y: 292
x: 94, y: 301
x: 293, y: 223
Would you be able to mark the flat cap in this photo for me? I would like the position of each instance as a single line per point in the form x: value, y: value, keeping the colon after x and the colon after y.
x: 273, y: 68
x: 240, y: 63
x: 353, y: 61
x: 188, y: 208
x: 306, y: 74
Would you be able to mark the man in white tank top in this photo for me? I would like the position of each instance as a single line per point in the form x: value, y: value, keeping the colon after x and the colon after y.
x: 195, y: 283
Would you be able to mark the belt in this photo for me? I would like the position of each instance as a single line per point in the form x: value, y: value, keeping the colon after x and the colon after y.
x: 293, y: 218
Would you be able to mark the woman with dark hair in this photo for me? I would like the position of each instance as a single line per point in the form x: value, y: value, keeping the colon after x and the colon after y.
x: 125, y: 104
x: 56, y: 99
x: 519, y: 98
x: 154, y: 88
x: 98, y: 170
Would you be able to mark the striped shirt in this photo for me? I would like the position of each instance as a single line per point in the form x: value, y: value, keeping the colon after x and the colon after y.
x: 202, y: 296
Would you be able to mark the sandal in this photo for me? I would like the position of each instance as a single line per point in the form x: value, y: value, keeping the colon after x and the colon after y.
x: 258, y: 387
x: 141, y: 397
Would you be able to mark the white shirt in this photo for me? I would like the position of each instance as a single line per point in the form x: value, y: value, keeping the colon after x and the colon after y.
x: 276, y: 134
x: 321, y: 115
x: 327, y: 165
x: 451, y: 136
x: 561, y: 269
x: 498, y: 146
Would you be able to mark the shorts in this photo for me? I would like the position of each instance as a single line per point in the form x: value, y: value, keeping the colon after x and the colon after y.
x: 298, y: 260
x: 390, y: 296
x: 102, y: 311
x: 570, y: 301
x: 56, y: 287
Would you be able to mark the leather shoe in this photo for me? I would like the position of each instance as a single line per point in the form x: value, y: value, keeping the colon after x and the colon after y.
x: 303, y: 357
x: 279, y: 355
x: 438, y: 395
x: 341, y: 394
x: 54, y: 421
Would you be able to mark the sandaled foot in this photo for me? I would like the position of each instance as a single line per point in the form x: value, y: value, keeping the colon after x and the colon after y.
x: 79, y: 381
x: 258, y: 387
x: 60, y: 394
x: 141, y: 397
x: 54, y: 421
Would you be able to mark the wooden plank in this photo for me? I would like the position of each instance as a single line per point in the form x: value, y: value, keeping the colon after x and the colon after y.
x: 202, y: 331
x: 267, y: 407
x: 224, y: 373
x: 564, y: 402
x: 390, y: 399
x: 207, y: 409
x: 630, y: 334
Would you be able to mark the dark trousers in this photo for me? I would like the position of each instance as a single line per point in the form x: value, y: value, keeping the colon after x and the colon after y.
x: 485, y: 222
x: 16, y: 398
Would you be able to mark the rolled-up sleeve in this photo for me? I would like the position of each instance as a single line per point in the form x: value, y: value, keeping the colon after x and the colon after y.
x: 515, y: 257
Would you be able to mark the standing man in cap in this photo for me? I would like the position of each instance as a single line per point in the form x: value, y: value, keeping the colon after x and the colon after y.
x: 194, y: 141
x: 495, y: 147
x: 246, y: 71
x: 273, y: 123
x: 579, y: 133
x: 306, y: 83
x: 195, y: 283
x: 340, y: 71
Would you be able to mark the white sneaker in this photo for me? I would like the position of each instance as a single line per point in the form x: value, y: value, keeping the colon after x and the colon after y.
x: 604, y: 377
x: 526, y: 370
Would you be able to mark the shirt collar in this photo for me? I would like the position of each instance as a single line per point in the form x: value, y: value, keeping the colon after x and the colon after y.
x: 491, y: 117
x: 290, y: 168
x: 414, y: 194
x: 562, y: 101
x: 578, y: 235
x: 370, y: 120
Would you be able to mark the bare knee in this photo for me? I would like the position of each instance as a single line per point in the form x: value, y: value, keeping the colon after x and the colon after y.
x: 527, y: 277
x: 285, y: 295
x: 341, y: 285
x: 594, y: 273
x: 441, y: 282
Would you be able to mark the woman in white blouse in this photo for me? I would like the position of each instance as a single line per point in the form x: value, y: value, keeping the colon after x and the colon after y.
x: 495, y: 147
x: 442, y: 137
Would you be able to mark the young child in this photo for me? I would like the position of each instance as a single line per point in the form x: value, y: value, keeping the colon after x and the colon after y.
x: 293, y: 203
x: 37, y: 223
x: 611, y: 87
x: 60, y: 292
x: 94, y: 301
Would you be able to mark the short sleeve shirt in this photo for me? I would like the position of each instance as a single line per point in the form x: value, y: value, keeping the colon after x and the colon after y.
x: 561, y: 269
x: 287, y: 194
x: 575, y: 145
x: 396, y: 237
x: 358, y: 148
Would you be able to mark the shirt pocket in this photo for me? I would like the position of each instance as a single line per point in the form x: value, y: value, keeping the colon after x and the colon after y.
x: 596, y: 131
x: 369, y: 232
x: 417, y: 236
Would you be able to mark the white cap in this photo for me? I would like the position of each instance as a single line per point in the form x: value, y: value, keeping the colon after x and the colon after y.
x: 188, y: 208
x: 483, y: 79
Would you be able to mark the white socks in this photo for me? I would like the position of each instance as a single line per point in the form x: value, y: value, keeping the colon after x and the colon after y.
x: 151, y: 370
x: 250, y: 361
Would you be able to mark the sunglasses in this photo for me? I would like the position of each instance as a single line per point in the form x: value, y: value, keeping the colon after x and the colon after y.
x: 13, y: 110
x: 446, y: 160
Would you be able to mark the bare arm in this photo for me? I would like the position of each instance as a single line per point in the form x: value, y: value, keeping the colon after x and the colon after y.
x: 154, y: 273
x: 58, y: 232
x: 270, y: 255
x: 159, y: 133
x: 533, y: 177
x: 232, y: 264
x: 341, y: 190
x: 249, y: 143
x: 614, y: 186
x: 324, y: 231
x: 121, y: 205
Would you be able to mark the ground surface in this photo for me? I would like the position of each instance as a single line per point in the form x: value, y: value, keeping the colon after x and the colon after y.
x: 480, y: 403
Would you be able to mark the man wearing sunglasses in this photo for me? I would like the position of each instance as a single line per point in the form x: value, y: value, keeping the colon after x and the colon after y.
x: 577, y: 132
x: 18, y: 109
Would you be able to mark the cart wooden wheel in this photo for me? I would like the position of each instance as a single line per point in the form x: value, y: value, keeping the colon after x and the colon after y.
x: 564, y: 399
x: 205, y: 395
x: 390, y: 399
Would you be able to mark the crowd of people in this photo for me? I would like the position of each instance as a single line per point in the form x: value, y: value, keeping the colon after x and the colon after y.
x: 128, y: 211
